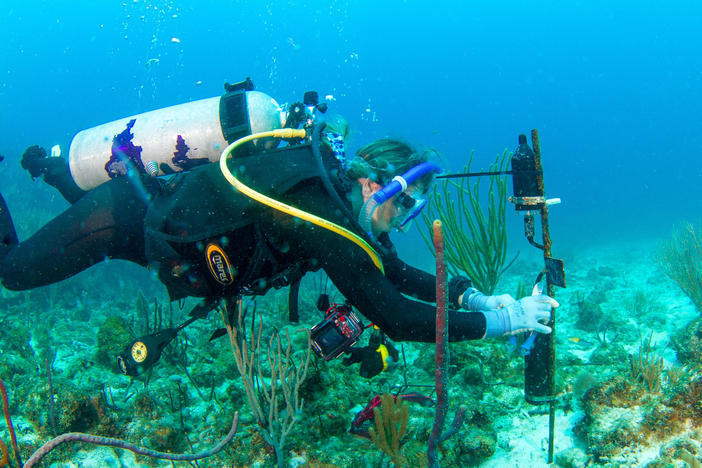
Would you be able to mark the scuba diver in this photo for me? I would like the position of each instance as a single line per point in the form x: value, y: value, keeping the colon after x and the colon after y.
x: 206, y: 240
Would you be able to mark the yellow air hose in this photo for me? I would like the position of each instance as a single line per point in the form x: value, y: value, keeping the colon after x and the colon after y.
x: 287, y: 133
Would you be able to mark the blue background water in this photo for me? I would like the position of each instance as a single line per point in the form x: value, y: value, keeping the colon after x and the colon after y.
x: 614, y: 88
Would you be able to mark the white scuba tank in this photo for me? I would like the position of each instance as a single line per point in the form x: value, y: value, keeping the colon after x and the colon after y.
x: 171, y: 139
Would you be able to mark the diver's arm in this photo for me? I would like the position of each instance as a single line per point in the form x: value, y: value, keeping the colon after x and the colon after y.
x: 409, y: 280
x: 417, y: 283
x: 400, y: 317
x: 354, y: 274
x: 422, y: 285
x: 54, y: 170
x: 374, y: 295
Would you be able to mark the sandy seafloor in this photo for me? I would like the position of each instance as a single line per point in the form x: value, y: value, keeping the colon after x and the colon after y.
x: 619, y: 269
x: 523, y: 439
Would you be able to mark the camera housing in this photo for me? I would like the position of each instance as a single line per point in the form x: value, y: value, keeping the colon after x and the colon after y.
x: 339, y: 330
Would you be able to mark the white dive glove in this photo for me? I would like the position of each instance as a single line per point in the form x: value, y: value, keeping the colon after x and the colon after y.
x: 476, y: 301
x: 523, y: 315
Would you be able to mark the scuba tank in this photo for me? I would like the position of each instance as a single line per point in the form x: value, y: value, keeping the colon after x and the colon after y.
x: 171, y: 139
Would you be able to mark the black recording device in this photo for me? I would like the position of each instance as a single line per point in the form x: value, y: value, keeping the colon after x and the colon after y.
x: 528, y: 191
x: 338, y: 331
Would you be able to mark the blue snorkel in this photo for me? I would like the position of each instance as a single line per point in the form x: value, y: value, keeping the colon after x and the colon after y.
x: 398, y: 184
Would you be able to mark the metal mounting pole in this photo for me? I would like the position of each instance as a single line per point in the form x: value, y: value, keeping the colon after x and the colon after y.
x: 551, y: 345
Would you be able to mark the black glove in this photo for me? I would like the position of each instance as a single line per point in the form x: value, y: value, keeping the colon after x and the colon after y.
x: 34, y: 161
x: 374, y: 358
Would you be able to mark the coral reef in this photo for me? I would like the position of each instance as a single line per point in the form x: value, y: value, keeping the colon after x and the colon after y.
x: 681, y: 259
x: 112, y: 336
x: 622, y: 414
x: 184, y: 403
x: 390, y: 427
x: 688, y: 344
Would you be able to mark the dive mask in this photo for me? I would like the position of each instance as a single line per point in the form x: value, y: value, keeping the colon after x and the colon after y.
x: 408, y: 206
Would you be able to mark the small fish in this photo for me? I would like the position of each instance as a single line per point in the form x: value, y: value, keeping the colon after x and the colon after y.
x: 175, y: 39
x: 574, y: 339
x: 198, y: 82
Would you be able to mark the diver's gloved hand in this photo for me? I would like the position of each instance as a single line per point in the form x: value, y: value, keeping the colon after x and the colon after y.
x: 479, y: 302
x: 523, y: 315
x: 370, y: 358
x: 374, y: 358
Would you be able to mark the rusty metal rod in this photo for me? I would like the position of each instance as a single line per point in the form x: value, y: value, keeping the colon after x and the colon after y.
x: 442, y: 351
x: 546, y: 235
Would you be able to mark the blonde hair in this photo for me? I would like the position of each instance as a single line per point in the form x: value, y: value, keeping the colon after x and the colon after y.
x: 385, y: 158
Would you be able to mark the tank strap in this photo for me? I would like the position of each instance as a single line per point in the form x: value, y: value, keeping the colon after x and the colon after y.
x: 293, y: 306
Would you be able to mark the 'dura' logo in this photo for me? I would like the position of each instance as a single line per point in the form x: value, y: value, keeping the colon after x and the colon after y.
x: 218, y: 264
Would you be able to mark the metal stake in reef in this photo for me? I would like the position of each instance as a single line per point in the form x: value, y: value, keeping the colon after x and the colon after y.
x: 529, y: 196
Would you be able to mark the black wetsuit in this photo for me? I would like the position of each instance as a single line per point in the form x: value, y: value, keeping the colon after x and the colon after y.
x: 171, y: 226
